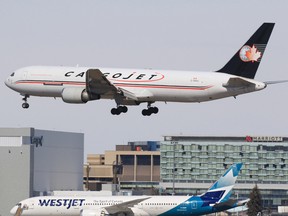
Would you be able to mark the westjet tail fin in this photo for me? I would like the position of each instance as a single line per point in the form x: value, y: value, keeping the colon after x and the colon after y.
x: 220, y: 191
x: 247, y: 59
x: 228, y: 178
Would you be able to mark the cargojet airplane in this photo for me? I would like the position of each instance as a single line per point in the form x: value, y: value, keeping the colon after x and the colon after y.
x: 216, y: 199
x: 136, y: 86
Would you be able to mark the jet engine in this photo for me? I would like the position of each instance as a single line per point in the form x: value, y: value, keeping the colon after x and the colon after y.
x: 77, y: 95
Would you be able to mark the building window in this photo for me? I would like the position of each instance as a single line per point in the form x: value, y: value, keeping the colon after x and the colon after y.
x: 143, y: 160
x: 156, y: 160
x: 127, y: 159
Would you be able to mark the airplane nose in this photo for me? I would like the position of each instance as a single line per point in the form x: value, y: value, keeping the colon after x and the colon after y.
x: 7, y: 82
x: 13, y: 210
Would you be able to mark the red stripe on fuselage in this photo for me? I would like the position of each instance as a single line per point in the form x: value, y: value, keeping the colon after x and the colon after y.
x: 61, y: 83
x: 56, y: 83
x: 164, y: 87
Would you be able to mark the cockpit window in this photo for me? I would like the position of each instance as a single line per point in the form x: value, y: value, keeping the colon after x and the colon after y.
x: 12, y: 74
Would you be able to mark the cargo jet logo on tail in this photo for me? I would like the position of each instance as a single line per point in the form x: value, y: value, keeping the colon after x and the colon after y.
x: 135, y: 86
x: 248, y: 53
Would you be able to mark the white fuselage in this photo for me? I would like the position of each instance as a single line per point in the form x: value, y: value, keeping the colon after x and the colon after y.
x: 54, y: 205
x: 216, y: 199
x: 151, y: 85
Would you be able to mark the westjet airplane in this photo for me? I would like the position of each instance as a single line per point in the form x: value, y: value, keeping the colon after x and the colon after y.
x: 216, y: 199
x: 136, y: 86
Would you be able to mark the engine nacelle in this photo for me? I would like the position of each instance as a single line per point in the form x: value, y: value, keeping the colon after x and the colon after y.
x: 95, y: 212
x: 77, y: 95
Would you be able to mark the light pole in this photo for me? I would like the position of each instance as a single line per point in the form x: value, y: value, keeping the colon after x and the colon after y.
x: 237, y: 197
x: 87, y: 176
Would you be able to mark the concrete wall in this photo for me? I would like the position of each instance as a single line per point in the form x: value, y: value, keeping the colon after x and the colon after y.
x: 58, y: 163
x: 15, y: 176
x: 34, y: 162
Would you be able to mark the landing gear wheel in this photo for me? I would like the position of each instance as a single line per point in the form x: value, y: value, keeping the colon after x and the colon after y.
x: 154, y: 110
x: 146, y: 112
x: 150, y: 110
x: 119, y: 110
x: 25, y: 105
x: 115, y: 111
x: 124, y: 109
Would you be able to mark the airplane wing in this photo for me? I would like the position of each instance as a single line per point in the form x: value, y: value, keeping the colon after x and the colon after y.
x: 137, y: 95
x: 124, y: 207
x: 129, y: 94
x: 237, y: 82
x: 98, y: 84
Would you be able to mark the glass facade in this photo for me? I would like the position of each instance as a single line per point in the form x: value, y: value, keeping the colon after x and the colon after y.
x: 204, y: 159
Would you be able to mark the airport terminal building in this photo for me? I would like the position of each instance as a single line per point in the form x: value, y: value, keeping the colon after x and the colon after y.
x: 190, y: 164
x: 36, y: 162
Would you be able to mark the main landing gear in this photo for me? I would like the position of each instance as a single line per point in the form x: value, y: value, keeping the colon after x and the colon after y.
x: 145, y: 112
x: 25, y: 105
x: 119, y: 110
x: 150, y: 110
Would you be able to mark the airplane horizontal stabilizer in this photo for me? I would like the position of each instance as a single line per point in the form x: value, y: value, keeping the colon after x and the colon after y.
x: 237, y: 82
x: 275, y: 82
x: 229, y: 203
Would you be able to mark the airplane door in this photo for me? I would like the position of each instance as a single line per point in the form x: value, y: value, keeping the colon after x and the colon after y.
x: 194, y: 204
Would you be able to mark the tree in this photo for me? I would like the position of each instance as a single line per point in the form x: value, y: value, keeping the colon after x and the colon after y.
x: 255, y: 203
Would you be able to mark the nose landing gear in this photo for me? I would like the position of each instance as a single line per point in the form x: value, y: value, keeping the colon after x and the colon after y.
x: 25, y: 105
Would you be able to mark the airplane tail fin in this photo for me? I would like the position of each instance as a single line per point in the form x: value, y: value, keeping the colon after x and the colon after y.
x: 221, y: 190
x: 246, y: 60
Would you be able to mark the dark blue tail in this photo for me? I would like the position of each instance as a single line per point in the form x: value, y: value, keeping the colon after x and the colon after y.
x: 247, y: 59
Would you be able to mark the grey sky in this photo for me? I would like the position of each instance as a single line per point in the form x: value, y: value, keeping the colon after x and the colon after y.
x: 183, y: 35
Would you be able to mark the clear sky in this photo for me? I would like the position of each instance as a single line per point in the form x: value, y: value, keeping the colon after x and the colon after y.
x: 180, y: 35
